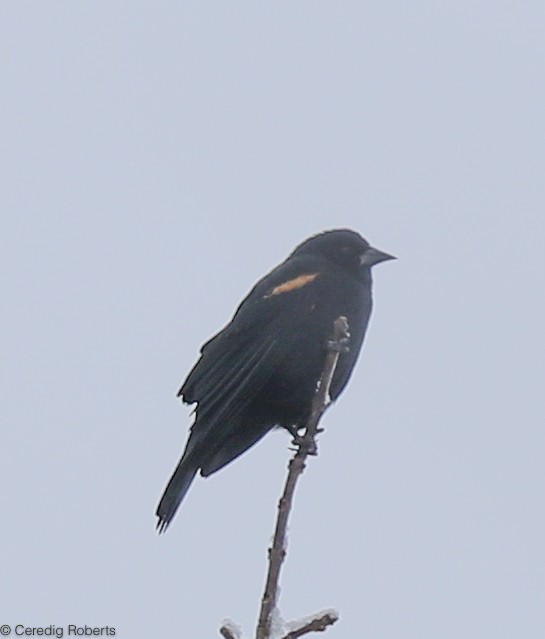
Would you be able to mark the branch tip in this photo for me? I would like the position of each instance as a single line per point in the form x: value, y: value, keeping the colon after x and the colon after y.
x: 305, y: 446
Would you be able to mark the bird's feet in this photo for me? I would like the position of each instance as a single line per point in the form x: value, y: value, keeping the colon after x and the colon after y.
x: 300, y: 442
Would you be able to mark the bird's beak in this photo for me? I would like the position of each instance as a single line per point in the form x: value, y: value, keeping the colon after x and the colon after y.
x: 373, y: 256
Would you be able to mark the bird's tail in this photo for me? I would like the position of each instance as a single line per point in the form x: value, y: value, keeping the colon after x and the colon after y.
x: 175, y: 492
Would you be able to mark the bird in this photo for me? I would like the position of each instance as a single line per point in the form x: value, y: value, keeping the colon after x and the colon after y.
x: 262, y: 369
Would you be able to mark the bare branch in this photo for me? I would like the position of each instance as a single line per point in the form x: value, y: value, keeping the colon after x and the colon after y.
x: 307, y: 446
x: 315, y: 625
x: 228, y: 632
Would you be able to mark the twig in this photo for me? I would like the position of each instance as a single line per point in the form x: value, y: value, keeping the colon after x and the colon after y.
x: 307, y: 446
x: 226, y: 632
x: 315, y: 625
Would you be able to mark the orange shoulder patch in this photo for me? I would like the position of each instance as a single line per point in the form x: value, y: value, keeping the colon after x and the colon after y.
x: 292, y: 285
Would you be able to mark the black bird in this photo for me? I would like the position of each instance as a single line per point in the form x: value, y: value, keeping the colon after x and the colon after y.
x: 261, y: 370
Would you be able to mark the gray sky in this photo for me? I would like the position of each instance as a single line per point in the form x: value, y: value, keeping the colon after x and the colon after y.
x: 157, y: 160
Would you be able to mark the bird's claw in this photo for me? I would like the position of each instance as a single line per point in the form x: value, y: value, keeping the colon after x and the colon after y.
x: 297, y: 440
x: 300, y: 443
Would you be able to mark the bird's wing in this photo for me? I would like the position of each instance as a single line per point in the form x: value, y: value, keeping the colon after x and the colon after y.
x: 276, y: 304
x: 237, y: 362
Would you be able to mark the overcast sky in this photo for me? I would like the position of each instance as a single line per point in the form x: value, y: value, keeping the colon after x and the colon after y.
x: 157, y: 159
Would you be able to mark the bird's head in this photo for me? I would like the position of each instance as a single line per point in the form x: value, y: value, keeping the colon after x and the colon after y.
x: 345, y: 248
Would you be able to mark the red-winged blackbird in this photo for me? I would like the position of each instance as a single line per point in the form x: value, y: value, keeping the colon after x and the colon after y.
x: 262, y: 369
